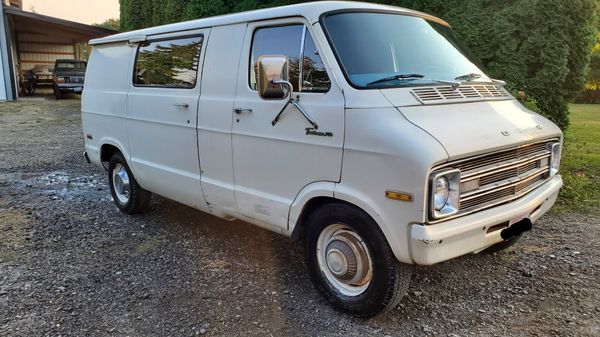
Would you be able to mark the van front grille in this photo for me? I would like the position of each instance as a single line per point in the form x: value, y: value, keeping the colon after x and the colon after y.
x: 445, y: 94
x: 502, y: 176
x: 74, y: 79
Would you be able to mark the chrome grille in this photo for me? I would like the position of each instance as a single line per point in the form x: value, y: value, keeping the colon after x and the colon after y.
x: 443, y: 94
x: 74, y: 79
x: 491, y: 179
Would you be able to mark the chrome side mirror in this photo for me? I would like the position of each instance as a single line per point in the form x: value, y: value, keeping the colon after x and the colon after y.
x: 272, y: 77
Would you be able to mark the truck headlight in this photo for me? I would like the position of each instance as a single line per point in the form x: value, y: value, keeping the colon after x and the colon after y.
x: 555, y: 150
x: 445, y: 193
x: 60, y: 80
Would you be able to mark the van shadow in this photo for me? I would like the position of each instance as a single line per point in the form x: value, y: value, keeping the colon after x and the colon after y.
x: 244, y: 278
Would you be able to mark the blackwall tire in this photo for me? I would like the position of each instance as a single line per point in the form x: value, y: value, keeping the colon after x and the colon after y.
x: 57, y: 93
x: 127, y: 194
x: 341, y: 238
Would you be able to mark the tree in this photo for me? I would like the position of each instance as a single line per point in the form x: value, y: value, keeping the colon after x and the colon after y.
x: 113, y: 24
x: 594, y: 76
x: 203, y: 8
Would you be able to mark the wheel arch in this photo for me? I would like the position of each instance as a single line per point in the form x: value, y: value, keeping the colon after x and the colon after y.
x: 313, y: 198
x: 108, y: 148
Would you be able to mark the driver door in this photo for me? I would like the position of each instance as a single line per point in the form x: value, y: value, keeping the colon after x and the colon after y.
x: 272, y: 163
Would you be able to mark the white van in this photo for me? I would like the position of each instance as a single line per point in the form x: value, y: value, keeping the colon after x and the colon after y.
x: 363, y: 130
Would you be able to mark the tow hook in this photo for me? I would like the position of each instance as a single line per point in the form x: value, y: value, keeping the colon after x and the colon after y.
x: 516, y: 229
x: 87, y: 158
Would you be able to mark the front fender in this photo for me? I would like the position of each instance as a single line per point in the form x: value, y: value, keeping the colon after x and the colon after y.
x: 394, y: 230
x: 308, y: 193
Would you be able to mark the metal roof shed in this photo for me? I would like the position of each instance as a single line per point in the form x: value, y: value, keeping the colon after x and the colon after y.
x: 30, y: 40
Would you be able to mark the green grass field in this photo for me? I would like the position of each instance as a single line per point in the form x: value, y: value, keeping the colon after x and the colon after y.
x: 580, y: 164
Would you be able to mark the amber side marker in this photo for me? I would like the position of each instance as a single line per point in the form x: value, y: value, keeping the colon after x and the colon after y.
x: 399, y: 196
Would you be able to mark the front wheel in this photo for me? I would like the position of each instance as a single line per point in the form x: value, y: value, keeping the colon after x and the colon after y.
x: 57, y: 93
x: 350, y: 262
x: 128, y: 195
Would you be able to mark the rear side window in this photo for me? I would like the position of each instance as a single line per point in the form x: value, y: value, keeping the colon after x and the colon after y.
x: 168, y: 63
x: 294, y: 42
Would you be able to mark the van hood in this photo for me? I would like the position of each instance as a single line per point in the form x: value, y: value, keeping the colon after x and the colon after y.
x: 468, y: 129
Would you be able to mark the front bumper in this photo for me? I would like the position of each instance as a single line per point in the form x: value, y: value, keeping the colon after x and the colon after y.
x: 431, y: 244
x: 70, y: 87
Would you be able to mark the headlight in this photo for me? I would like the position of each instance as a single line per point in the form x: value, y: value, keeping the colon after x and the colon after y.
x: 445, y: 193
x: 441, y: 191
x: 554, y: 158
x: 60, y: 80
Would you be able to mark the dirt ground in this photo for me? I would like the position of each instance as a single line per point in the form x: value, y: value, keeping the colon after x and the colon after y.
x: 72, y: 265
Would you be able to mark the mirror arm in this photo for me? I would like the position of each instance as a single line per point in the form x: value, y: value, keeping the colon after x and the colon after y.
x: 305, y: 114
x: 293, y: 102
x: 276, y: 119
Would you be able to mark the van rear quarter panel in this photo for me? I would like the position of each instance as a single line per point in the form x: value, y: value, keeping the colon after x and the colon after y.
x: 104, y: 98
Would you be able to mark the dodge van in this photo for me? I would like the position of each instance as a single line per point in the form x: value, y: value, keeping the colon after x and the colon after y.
x: 365, y: 131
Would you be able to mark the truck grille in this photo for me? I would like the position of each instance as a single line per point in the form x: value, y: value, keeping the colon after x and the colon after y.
x: 492, y: 179
x: 74, y: 79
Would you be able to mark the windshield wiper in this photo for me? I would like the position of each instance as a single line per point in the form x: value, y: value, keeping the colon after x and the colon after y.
x: 398, y: 77
x: 473, y: 76
x: 468, y: 77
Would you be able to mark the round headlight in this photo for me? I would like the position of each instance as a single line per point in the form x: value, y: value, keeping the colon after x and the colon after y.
x: 441, y: 192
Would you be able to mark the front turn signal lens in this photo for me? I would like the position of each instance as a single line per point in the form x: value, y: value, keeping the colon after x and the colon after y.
x: 401, y: 196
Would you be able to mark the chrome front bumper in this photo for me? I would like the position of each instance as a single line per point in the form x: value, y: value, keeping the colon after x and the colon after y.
x: 443, y: 241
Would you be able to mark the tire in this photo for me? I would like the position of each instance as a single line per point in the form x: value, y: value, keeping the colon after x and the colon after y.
x: 127, y: 194
x: 57, y: 93
x: 500, y: 246
x: 389, y: 278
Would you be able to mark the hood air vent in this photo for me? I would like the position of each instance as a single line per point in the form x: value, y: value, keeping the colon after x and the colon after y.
x: 445, y: 94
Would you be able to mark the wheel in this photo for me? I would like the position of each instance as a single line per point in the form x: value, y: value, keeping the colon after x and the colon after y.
x: 500, y: 246
x: 30, y: 89
x: 350, y: 262
x: 57, y: 93
x: 128, y: 195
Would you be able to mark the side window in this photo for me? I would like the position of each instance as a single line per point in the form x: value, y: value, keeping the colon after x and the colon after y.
x: 283, y: 40
x: 287, y: 41
x: 168, y: 63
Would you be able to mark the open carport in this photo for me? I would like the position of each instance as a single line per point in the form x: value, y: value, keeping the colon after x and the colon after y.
x: 33, y: 41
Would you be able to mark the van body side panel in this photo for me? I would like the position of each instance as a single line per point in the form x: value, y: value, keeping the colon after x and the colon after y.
x: 104, y: 99
x: 161, y: 124
x: 215, y: 113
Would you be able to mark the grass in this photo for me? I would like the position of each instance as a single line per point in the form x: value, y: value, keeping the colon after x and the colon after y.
x: 580, y: 165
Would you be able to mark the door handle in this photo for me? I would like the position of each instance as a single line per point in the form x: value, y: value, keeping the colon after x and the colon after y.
x: 182, y: 105
x: 240, y: 111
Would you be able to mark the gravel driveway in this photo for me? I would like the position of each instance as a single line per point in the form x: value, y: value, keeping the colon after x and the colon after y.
x: 72, y: 265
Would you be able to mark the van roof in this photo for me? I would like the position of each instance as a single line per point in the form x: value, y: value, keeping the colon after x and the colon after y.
x: 311, y: 11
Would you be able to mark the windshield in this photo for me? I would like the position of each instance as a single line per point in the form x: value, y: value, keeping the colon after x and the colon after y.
x: 70, y: 65
x: 382, y: 50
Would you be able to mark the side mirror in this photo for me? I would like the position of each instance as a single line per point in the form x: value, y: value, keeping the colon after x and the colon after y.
x: 272, y: 77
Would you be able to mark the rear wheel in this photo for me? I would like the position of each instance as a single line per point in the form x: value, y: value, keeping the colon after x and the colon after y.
x: 128, y: 195
x: 350, y: 262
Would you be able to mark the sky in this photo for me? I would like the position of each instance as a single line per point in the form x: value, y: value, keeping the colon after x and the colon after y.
x: 84, y: 11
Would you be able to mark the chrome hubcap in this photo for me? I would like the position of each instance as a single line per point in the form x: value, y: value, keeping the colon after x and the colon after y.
x: 344, y: 259
x: 121, y: 183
